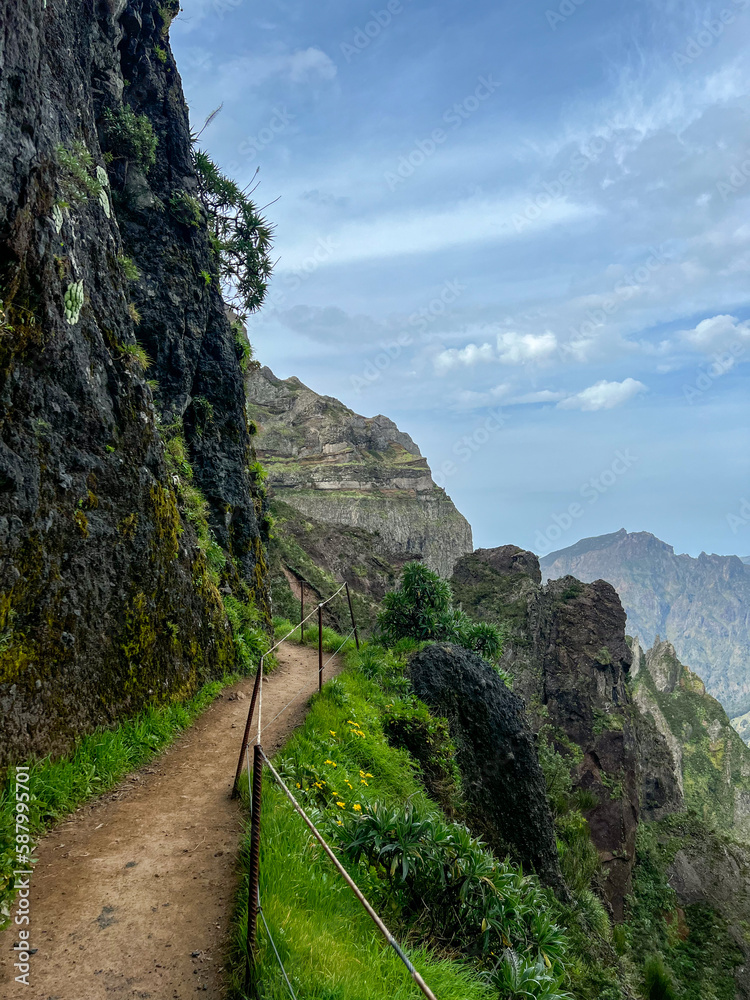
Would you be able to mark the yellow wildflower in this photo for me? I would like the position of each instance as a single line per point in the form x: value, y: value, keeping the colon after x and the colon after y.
x: 357, y: 807
x: 341, y: 805
x: 298, y: 785
x: 332, y: 763
x: 332, y: 732
x: 363, y: 782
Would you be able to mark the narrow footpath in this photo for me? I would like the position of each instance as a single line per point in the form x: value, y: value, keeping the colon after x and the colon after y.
x: 132, y: 897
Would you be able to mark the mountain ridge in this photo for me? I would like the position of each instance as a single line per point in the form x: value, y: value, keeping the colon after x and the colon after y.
x: 700, y: 604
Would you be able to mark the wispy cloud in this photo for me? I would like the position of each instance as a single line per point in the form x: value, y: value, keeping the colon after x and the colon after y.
x: 603, y: 395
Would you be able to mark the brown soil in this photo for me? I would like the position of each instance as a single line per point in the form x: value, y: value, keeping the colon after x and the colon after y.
x: 132, y: 896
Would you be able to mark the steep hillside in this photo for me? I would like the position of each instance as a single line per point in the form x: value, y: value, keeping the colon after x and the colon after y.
x: 701, y: 606
x: 713, y: 763
x: 115, y: 486
x: 337, y: 468
x: 567, y: 654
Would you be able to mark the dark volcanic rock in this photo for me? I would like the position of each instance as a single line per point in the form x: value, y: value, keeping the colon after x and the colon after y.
x: 497, y: 756
x: 569, y: 659
x: 105, y: 603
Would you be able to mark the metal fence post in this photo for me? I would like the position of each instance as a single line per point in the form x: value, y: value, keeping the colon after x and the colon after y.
x: 246, y: 737
x: 351, y: 612
x: 320, y: 647
x: 302, y: 611
x: 251, y: 975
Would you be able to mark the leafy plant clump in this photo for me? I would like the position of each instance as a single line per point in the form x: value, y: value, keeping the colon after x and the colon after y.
x: 240, y: 237
x: 130, y: 136
x: 76, y: 180
x: 186, y: 209
x: 422, y: 609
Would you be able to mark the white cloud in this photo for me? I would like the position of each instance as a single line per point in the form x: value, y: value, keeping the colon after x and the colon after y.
x: 468, y: 399
x: 310, y: 62
x: 603, y: 395
x: 302, y: 66
x: 717, y: 333
x: 509, y: 349
x: 544, y: 396
x: 516, y: 349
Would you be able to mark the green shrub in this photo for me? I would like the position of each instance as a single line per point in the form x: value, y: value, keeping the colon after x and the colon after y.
x: 186, y: 209
x: 77, y: 183
x: 250, y: 638
x: 137, y: 354
x: 422, y: 609
x: 129, y: 268
x: 408, y: 724
x: 658, y: 980
x: 130, y: 136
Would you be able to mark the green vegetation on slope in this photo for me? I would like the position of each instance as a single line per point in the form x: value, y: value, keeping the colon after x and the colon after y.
x: 370, y: 764
x: 715, y: 760
x: 474, y: 922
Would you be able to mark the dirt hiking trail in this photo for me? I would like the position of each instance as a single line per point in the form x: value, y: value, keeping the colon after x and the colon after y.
x: 131, y: 897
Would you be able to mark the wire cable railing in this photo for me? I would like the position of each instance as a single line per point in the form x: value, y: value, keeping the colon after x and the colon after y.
x: 257, y: 695
x: 260, y: 760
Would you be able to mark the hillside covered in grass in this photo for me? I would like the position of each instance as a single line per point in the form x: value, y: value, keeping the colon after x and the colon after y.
x: 387, y: 785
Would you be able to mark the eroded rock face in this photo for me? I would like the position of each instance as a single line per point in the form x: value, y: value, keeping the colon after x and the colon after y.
x: 713, y: 872
x: 569, y: 659
x: 339, y: 468
x: 105, y: 602
x: 497, y: 756
x: 712, y: 762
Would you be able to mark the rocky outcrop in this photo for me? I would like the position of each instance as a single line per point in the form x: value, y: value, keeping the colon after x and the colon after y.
x: 712, y: 763
x: 500, y: 773
x: 567, y: 653
x: 105, y: 598
x: 701, y: 606
x: 338, y: 468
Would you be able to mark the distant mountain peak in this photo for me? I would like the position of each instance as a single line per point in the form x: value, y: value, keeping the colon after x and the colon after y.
x: 699, y: 605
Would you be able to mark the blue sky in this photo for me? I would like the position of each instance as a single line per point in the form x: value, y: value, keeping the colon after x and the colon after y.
x: 522, y: 231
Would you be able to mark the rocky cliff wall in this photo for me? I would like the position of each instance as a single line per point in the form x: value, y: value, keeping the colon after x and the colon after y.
x: 105, y: 598
x: 339, y: 468
x: 567, y: 653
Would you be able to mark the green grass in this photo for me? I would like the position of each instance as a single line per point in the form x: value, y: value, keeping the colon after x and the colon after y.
x: 329, y: 946
x: 341, y: 766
